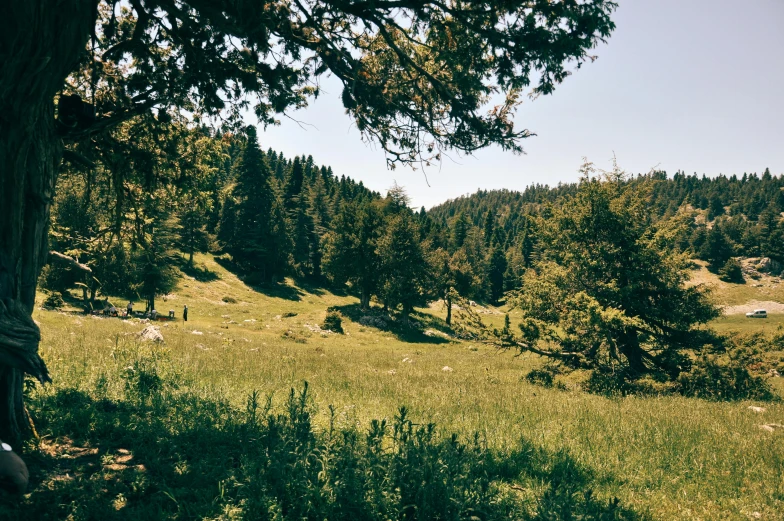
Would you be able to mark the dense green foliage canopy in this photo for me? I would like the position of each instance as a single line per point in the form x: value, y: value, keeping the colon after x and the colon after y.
x: 417, y: 76
x: 609, y: 288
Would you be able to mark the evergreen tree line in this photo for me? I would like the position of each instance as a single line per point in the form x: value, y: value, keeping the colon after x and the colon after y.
x: 712, y: 219
x: 189, y: 189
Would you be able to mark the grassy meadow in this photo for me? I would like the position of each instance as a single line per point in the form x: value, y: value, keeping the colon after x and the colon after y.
x: 123, y: 432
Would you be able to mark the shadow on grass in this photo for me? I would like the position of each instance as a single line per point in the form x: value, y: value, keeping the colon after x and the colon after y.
x: 158, y: 455
x: 311, y: 285
x: 416, y: 328
x: 278, y: 290
x: 200, y: 273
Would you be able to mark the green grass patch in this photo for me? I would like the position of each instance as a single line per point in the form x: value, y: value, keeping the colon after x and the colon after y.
x: 180, y: 409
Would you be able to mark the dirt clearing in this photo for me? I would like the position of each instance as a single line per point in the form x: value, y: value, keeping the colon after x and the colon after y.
x: 768, y: 305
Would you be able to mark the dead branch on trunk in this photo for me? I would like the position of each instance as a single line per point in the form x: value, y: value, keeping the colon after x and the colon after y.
x: 19, y: 338
x: 70, y: 261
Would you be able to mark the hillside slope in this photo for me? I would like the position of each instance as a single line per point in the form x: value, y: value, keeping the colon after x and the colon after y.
x: 665, y: 458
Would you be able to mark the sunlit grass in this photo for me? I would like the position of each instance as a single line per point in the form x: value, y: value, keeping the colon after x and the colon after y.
x: 674, y: 457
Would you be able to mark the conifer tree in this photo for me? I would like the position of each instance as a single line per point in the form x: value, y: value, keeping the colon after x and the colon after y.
x: 396, y: 201
x: 293, y: 185
x: 732, y: 272
x: 350, y: 251
x: 319, y: 213
x: 450, y: 276
x: 496, y: 268
x: 609, y: 292
x: 717, y: 250
x: 442, y: 278
x: 256, y: 242
x: 302, y: 230
x: 459, y: 231
x: 715, y: 207
x: 227, y: 225
x: 774, y: 247
x: 767, y: 226
x: 403, y: 269
x: 192, y: 229
x: 489, y: 228
x: 155, y: 261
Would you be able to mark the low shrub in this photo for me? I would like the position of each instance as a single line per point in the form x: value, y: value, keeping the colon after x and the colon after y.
x: 333, y: 322
x: 620, y: 383
x: 229, y: 300
x: 142, y: 380
x: 53, y: 300
x: 543, y: 377
x: 296, y: 336
x: 732, y: 272
x: 260, y: 463
x: 714, y: 378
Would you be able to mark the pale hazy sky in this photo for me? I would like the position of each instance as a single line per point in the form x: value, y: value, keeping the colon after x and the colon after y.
x: 696, y: 85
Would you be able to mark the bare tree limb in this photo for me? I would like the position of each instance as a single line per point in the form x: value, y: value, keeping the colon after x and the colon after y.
x: 70, y: 261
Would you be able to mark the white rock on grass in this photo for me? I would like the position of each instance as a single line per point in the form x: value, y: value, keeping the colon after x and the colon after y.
x: 771, y: 427
x: 317, y: 329
x: 195, y: 332
x: 151, y: 334
x: 756, y: 409
x: 447, y: 369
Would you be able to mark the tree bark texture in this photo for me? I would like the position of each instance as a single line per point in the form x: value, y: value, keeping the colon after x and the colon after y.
x: 630, y: 348
x: 41, y: 42
x: 364, y: 299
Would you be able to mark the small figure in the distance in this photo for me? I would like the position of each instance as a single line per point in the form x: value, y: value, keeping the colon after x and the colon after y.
x: 129, y: 309
x: 185, y: 313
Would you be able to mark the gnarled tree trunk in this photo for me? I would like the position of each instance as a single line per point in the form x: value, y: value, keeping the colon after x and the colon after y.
x: 40, y: 44
x: 631, y: 349
x: 364, y: 298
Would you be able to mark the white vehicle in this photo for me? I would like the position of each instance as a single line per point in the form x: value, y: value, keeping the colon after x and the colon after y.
x: 757, y: 313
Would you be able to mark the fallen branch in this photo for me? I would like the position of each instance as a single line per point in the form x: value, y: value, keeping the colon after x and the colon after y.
x: 71, y: 261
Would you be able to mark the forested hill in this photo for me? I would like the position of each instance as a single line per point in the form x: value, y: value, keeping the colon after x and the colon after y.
x: 745, y: 212
x: 187, y: 189
x: 121, y: 226
x: 749, y: 196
